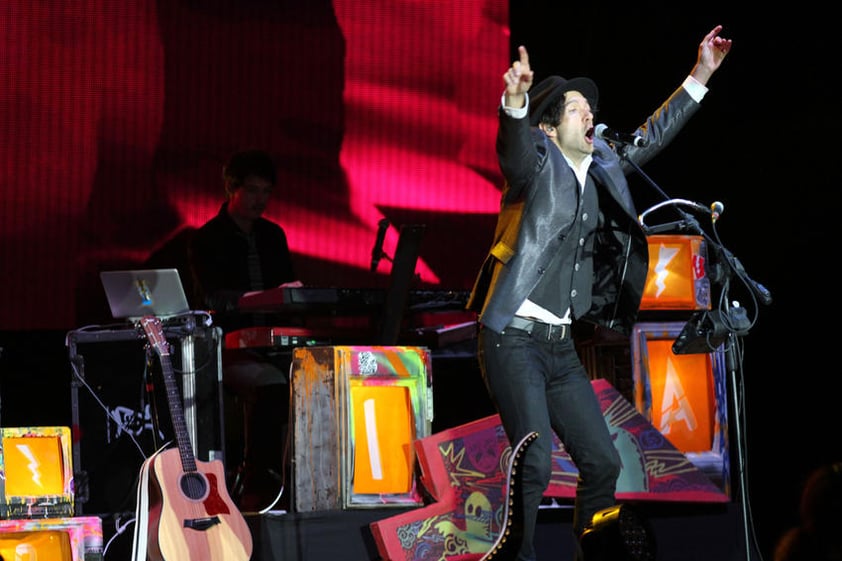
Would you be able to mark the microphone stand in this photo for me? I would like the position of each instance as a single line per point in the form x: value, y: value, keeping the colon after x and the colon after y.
x: 732, y: 362
x: 688, y: 222
x: 736, y: 323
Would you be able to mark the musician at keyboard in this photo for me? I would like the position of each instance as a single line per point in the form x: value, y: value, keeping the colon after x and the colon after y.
x: 235, y: 253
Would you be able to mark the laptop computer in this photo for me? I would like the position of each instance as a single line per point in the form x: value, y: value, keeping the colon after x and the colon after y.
x: 133, y: 294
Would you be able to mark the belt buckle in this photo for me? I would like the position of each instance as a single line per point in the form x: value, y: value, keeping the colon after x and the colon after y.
x: 560, y: 334
x: 549, y: 327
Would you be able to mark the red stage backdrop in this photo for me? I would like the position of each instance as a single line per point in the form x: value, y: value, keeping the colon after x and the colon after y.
x: 115, y: 123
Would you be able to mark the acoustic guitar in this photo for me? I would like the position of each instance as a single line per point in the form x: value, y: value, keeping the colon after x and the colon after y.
x: 191, y: 516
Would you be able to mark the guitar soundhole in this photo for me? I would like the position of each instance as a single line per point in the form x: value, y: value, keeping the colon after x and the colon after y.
x: 194, y: 486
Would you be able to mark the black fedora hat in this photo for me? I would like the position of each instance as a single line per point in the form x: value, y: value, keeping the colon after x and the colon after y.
x: 549, y: 90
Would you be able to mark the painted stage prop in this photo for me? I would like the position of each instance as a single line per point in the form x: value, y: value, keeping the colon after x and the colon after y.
x: 464, y: 471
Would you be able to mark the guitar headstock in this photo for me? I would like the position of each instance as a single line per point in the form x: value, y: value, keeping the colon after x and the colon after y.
x: 155, y: 334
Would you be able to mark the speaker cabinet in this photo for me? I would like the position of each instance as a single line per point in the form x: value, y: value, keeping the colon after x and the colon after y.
x: 120, y: 409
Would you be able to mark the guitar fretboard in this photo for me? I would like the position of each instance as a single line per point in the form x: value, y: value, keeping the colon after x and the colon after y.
x: 155, y: 336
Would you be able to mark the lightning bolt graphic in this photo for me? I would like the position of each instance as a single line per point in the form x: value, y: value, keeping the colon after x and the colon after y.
x: 34, y: 464
x: 665, y: 255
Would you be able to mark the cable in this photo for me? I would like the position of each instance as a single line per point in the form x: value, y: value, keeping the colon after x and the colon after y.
x: 118, y: 530
x: 286, y: 451
x: 110, y: 414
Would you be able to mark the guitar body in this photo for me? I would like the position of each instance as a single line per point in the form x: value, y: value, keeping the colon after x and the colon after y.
x: 191, y: 515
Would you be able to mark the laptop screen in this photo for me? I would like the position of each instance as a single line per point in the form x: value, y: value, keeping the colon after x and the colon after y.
x: 133, y: 294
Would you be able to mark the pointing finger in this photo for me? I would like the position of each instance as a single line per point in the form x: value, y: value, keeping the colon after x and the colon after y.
x: 524, y: 56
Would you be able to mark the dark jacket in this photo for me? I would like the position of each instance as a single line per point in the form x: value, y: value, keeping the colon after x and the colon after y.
x: 538, y: 207
x: 218, y: 257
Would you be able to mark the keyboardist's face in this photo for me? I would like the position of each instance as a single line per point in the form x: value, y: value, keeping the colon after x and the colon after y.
x: 248, y: 202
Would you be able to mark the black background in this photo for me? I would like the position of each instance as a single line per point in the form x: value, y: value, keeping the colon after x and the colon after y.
x: 762, y: 144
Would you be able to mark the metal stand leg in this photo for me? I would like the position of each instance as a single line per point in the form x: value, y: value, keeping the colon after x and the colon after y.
x: 732, y: 361
x: 149, y: 382
x: 80, y: 477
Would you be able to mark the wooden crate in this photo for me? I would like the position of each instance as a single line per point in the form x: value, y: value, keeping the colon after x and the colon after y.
x: 358, y: 411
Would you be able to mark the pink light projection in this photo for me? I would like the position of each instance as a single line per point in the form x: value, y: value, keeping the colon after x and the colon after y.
x: 114, y: 125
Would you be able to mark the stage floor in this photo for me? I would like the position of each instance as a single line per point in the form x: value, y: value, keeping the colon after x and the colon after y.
x: 682, y: 532
x: 696, y: 532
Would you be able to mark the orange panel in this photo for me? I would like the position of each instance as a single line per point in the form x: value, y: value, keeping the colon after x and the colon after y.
x: 683, y: 401
x: 383, y: 431
x: 34, y: 466
x: 676, y: 279
x: 40, y: 545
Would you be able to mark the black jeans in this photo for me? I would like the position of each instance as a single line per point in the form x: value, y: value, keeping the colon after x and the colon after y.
x: 540, y: 385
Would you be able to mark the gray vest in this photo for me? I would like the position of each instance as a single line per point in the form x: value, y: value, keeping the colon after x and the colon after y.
x: 568, y: 280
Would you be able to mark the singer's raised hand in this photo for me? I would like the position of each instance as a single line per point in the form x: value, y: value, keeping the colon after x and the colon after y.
x: 712, y: 51
x: 518, y: 79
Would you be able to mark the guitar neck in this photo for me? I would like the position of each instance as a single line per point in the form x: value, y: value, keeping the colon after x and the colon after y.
x: 156, y: 338
x: 182, y: 437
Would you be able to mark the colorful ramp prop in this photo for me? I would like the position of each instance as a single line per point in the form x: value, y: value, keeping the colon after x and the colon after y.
x: 464, y: 470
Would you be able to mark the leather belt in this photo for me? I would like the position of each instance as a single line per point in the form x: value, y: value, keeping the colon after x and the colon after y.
x: 541, y: 330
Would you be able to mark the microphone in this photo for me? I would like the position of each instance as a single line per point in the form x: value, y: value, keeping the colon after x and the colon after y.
x: 377, y: 250
x: 716, y: 209
x: 610, y: 135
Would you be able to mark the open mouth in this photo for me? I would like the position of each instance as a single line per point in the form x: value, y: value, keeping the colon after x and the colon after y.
x: 589, y: 133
